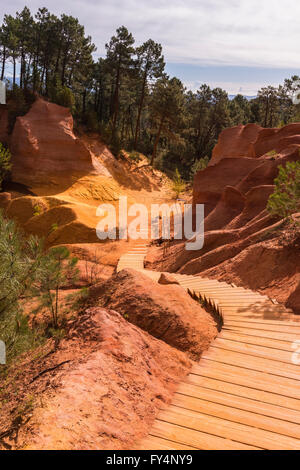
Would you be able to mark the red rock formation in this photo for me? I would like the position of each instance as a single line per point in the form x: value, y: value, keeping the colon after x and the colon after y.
x: 210, y: 183
x: 3, y: 124
x: 105, y: 395
x: 274, y: 139
x: 45, y: 149
x: 5, y: 199
x: 230, y: 205
x: 234, y: 142
x: 235, y: 188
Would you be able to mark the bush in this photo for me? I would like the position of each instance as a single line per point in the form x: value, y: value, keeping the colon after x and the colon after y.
x: 5, y: 165
x: 61, y: 95
x: 56, y: 271
x: 178, y: 185
x: 26, y: 272
x: 199, y: 165
x: 134, y: 156
x: 20, y: 259
x: 19, y: 102
x: 65, y: 97
x: 286, y: 197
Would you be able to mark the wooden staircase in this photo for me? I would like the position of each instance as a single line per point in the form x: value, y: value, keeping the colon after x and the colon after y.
x: 245, y: 391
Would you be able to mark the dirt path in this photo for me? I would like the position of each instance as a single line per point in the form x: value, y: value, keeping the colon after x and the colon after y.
x: 245, y: 391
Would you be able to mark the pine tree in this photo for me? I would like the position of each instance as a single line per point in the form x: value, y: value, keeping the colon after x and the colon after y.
x: 20, y: 260
x: 56, y: 270
x: 150, y: 62
x: 166, y: 107
x: 119, y: 52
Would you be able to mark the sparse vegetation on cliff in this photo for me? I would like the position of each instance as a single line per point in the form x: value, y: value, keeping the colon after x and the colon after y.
x: 20, y: 260
x: 56, y: 270
x: 286, y: 197
x: 28, y: 273
x: 5, y: 164
x: 178, y: 185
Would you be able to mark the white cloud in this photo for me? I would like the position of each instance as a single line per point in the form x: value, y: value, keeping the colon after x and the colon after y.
x: 233, y: 32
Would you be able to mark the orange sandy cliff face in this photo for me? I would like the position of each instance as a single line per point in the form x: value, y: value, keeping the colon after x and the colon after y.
x: 66, y: 176
x: 45, y: 149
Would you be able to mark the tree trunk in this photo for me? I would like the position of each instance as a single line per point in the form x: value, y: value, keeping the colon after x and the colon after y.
x: 116, y: 100
x: 157, y: 140
x: 137, y: 129
x: 84, y: 102
x: 266, y: 114
x: 3, y: 62
x: 14, y: 70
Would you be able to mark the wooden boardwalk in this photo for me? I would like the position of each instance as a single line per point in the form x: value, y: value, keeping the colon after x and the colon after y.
x: 245, y: 391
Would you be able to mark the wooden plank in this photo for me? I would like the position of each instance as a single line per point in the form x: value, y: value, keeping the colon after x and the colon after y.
x: 253, y: 350
x: 253, y: 363
x: 263, y: 326
x: 256, y: 340
x: 245, y: 382
x: 157, y: 443
x: 233, y: 313
x: 295, y: 326
x: 249, y: 378
x: 240, y: 397
x: 260, y: 333
x: 228, y: 429
x: 197, y: 439
x: 238, y: 415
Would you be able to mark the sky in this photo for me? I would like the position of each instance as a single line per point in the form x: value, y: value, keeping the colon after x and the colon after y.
x: 238, y: 45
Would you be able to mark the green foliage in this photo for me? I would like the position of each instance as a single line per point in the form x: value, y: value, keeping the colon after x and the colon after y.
x: 91, y: 121
x: 178, y: 185
x: 20, y: 260
x: 166, y: 109
x: 26, y: 272
x: 61, y: 95
x: 126, y: 96
x: 272, y: 154
x: 134, y: 156
x: 286, y: 197
x: 19, y: 103
x: 56, y: 271
x: 65, y: 97
x: 37, y: 210
x: 54, y: 227
x: 115, y: 145
x: 5, y: 165
x: 199, y: 165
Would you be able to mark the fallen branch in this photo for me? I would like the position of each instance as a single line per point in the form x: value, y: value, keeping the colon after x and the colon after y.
x: 49, y: 370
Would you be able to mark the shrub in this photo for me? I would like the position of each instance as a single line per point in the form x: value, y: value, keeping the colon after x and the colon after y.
x: 20, y: 259
x: 65, y: 97
x: 134, y: 156
x: 56, y: 271
x: 272, y: 153
x: 61, y: 95
x: 26, y: 272
x: 5, y: 164
x: 20, y: 102
x: 199, y: 165
x: 37, y: 210
x: 178, y: 185
x: 286, y: 197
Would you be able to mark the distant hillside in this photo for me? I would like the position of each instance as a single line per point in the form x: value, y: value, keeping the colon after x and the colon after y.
x: 249, y: 98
